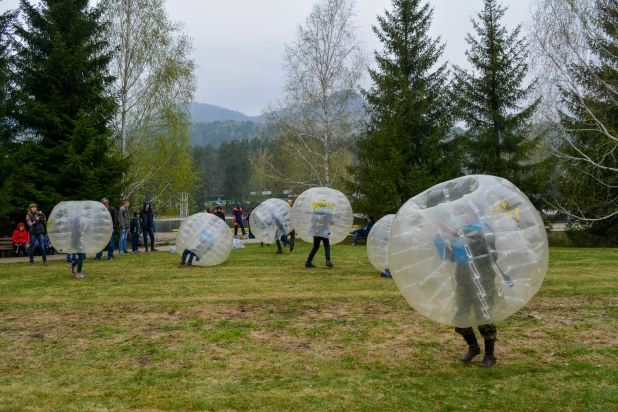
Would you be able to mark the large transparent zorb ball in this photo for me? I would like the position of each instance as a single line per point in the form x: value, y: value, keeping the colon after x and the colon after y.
x: 208, y: 236
x: 80, y: 227
x: 271, y: 220
x: 468, y: 252
x: 377, y: 243
x: 323, y: 212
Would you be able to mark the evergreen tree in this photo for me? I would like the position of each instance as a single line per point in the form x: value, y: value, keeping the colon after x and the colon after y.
x: 489, y: 100
x: 405, y: 147
x: 588, y: 173
x: 64, y: 104
x: 7, y: 123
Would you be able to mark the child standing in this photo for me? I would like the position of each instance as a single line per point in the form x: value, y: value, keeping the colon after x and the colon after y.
x: 136, y: 231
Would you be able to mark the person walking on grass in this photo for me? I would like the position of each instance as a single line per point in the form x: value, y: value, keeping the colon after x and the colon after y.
x: 320, y: 222
x: 147, y: 215
x: 363, y: 232
x: 78, y: 231
x: 470, y: 238
x: 110, y: 247
x: 136, y: 231
x: 21, y: 239
x: 36, y: 222
x: 292, y: 235
x: 237, y: 217
x: 124, y: 223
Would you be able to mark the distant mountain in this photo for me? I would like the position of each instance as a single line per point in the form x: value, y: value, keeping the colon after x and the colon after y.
x: 217, y: 132
x: 202, y: 112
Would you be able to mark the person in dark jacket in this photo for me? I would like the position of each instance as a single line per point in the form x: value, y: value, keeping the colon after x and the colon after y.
x: 320, y: 222
x: 21, y: 239
x: 36, y: 222
x: 456, y: 245
x: 219, y: 213
x: 136, y: 231
x: 148, y: 227
x: 110, y: 247
x: 364, y: 232
x: 249, y: 223
x: 124, y: 223
x: 237, y: 217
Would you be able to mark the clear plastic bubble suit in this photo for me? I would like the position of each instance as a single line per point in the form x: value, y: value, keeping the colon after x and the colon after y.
x: 80, y: 227
x: 324, y: 212
x: 377, y: 243
x: 468, y: 252
x: 208, y: 236
x: 271, y: 220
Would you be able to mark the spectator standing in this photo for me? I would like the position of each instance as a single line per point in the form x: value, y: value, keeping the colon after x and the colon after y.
x: 219, y: 213
x: 36, y: 221
x: 124, y: 223
x: 114, y: 215
x: 237, y: 217
x: 148, y: 226
x: 136, y: 231
x: 21, y: 239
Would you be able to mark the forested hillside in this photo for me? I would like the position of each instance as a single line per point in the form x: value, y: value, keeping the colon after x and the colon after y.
x: 217, y: 132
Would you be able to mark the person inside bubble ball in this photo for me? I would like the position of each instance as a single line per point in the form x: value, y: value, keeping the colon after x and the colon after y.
x: 321, y: 219
x: 280, y: 234
x: 204, y: 245
x: 474, y: 276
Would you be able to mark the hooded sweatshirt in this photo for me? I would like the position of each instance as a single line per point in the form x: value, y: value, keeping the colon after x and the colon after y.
x: 21, y: 237
x: 147, y: 217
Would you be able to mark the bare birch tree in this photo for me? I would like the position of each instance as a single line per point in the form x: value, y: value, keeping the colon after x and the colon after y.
x: 317, y: 119
x: 575, y: 57
x: 155, y: 82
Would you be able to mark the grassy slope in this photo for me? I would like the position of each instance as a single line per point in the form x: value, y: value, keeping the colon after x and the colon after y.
x: 263, y: 333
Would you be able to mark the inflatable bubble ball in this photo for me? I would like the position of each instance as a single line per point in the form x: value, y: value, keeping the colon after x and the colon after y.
x: 468, y: 252
x: 80, y: 227
x: 377, y: 243
x: 271, y: 220
x: 323, y: 212
x: 208, y: 236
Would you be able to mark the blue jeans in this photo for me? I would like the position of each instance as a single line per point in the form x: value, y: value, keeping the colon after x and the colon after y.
x: 122, y: 243
x: 33, y: 238
x: 360, y: 233
x: 188, y: 253
x: 285, y: 240
x: 79, y: 262
x: 71, y: 257
x: 110, y: 249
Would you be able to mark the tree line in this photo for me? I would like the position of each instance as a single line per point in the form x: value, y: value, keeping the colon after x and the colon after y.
x: 94, y: 104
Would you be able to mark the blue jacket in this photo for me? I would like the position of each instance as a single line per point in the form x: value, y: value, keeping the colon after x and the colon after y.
x: 136, y: 226
x: 147, y: 217
x: 369, y: 226
x: 237, y: 214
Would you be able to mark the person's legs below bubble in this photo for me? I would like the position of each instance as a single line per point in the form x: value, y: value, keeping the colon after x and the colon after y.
x: 473, y: 346
x: 326, y: 242
x: 242, y: 227
x: 191, y: 256
x: 279, y: 250
x: 285, y: 240
x: 79, y: 262
x: 387, y: 273
x: 185, y: 253
x: 134, y: 242
x: 316, y: 246
x: 490, y: 335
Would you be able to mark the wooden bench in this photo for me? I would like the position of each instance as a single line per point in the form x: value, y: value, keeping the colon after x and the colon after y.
x: 6, y: 245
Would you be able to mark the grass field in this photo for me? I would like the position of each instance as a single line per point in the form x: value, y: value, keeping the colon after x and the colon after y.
x: 261, y: 332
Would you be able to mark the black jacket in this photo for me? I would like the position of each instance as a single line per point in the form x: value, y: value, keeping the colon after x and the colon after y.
x: 37, y: 226
x: 114, y: 216
x: 147, y: 217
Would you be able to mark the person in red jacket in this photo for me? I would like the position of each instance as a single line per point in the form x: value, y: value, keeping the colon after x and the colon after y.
x: 21, y: 239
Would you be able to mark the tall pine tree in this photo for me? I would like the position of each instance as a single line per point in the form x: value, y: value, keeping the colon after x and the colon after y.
x: 64, y: 104
x: 588, y: 178
x: 405, y: 147
x: 489, y: 100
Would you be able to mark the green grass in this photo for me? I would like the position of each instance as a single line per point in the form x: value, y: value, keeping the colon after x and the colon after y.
x: 261, y: 332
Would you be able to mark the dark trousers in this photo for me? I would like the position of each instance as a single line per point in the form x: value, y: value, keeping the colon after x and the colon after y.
x: 316, y: 246
x: 242, y: 228
x: 488, y: 332
x: 79, y: 262
x: 34, y: 238
x: 110, y: 248
x: 147, y: 233
x: 285, y: 240
x: 134, y: 241
x: 188, y: 253
x: 360, y: 233
x: 19, y: 247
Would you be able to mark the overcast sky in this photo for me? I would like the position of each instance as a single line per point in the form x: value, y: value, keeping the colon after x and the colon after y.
x: 239, y: 43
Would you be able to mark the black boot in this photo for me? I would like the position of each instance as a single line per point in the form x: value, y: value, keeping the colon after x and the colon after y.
x: 474, y: 348
x: 489, y: 359
x: 329, y: 264
x: 309, y: 265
